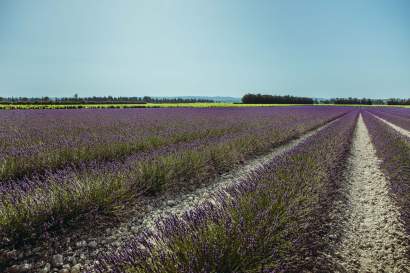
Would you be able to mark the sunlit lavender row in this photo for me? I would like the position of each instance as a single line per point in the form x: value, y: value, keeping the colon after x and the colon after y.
x: 274, y: 221
x: 34, y: 141
x: 397, y: 116
x: 394, y: 151
x: 57, y: 165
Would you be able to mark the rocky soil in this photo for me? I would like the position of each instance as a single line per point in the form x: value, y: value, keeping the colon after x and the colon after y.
x: 373, y: 237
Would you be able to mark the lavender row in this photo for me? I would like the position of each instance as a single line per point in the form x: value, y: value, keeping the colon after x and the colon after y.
x: 397, y: 116
x: 394, y: 151
x: 277, y: 135
x: 398, y: 111
x: 271, y: 222
x: 34, y: 141
x: 58, y: 197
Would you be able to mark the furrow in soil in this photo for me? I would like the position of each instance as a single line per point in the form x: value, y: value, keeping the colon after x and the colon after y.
x: 373, y: 238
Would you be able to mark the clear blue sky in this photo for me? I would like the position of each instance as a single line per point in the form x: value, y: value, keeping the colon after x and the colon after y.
x: 209, y: 47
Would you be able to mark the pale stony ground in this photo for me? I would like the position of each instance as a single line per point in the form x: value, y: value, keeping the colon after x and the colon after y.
x: 395, y: 127
x: 373, y: 237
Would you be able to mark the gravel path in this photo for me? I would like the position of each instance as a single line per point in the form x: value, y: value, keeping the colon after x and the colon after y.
x: 373, y: 238
x: 76, y: 251
x: 395, y: 127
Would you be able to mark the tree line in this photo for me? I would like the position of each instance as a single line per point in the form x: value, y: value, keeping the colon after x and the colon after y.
x: 248, y: 99
x: 98, y: 100
x: 366, y: 101
x: 398, y: 102
x: 362, y: 101
x: 274, y: 99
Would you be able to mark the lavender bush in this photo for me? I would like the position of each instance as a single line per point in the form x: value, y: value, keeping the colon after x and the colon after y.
x: 397, y: 116
x: 394, y: 151
x: 190, y: 146
x: 268, y: 223
x: 34, y: 140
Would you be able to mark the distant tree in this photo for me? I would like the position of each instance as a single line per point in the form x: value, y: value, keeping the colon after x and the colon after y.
x: 147, y: 99
x: 269, y: 99
x: 398, y: 101
x: 97, y: 100
x: 350, y: 100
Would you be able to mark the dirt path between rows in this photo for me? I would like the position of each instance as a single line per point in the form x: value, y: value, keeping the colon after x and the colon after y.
x: 373, y: 236
x: 395, y: 127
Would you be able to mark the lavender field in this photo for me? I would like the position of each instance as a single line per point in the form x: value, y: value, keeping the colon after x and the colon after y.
x: 205, y: 190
